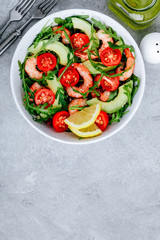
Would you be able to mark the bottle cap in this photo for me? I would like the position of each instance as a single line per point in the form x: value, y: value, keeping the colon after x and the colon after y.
x: 150, y: 48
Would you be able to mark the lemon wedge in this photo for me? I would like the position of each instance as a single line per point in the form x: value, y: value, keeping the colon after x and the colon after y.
x: 90, y: 131
x: 84, y: 118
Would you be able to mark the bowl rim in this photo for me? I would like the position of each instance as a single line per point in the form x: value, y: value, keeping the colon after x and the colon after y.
x: 90, y: 140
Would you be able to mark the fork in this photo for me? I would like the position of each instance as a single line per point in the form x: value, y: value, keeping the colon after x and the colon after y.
x: 38, y: 13
x: 18, y: 12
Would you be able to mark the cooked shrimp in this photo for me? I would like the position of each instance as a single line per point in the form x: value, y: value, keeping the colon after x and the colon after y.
x: 80, y: 102
x: 104, y: 95
x: 130, y: 64
x: 31, y: 70
x: 88, y: 81
x: 84, y: 55
x: 64, y: 39
x: 105, y: 39
x: 35, y: 86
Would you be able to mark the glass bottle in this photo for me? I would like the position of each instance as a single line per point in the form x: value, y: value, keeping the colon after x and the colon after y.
x: 138, y: 14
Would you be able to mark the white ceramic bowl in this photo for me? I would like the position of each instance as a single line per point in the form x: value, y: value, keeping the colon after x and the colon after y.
x: 16, y: 82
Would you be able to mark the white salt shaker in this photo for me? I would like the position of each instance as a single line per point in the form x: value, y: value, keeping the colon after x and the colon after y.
x: 150, y: 48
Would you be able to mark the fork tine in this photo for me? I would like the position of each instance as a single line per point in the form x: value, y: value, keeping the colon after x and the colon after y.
x: 20, y: 8
x: 27, y: 7
x: 18, y: 4
x: 43, y: 4
x: 47, y: 9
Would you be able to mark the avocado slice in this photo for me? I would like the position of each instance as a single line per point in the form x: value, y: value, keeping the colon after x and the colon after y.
x: 84, y: 26
x: 54, y: 85
x: 59, y: 48
x: 92, y: 70
x: 117, y: 103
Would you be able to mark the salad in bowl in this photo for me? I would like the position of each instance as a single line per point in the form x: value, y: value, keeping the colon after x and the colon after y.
x: 78, y: 76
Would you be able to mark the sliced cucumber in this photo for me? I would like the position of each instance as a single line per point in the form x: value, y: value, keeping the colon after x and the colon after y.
x: 84, y: 26
x: 92, y: 70
x: 117, y: 103
x: 54, y: 85
x: 59, y: 48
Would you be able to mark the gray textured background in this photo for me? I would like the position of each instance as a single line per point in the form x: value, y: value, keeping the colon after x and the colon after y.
x: 105, y: 191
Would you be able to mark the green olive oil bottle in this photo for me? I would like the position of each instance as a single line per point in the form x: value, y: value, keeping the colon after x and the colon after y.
x: 138, y: 14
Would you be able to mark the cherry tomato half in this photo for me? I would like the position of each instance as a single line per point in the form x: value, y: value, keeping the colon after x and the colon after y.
x: 70, y: 76
x: 102, y: 120
x: 110, y: 83
x: 79, y: 40
x: 58, y: 121
x: 110, y: 57
x: 44, y: 95
x: 46, y: 62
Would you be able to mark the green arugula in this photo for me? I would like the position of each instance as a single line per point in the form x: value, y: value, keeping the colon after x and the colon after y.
x: 61, y: 21
x: 62, y: 98
x: 93, y: 42
x: 109, y: 31
x: 118, y: 115
x: 46, y: 31
x: 121, y: 47
x: 128, y: 93
x: 77, y: 107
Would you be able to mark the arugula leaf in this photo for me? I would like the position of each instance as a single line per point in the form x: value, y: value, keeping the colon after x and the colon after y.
x: 128, y: 93
x: 46, y: 30
x: 93, y: 42
x: 62, y: 97
x: 136, y: 83
x: 107, y: 31
x: 121, y: 47
x: 61, y: 21
x: 118, y: 115
x: 77, y: 107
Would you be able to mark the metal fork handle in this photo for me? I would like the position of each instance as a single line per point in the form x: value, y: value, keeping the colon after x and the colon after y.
x: 4, y: 27
x: 8, y: 41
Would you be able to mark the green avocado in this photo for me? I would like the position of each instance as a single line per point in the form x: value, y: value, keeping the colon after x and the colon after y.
x: 92, y: 70
x: 117, y: 103
x: 59, y: 48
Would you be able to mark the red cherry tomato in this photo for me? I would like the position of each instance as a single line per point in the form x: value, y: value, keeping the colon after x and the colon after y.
x: 70, y: 77
x: 46, y: 62
x: 79, y: 40
x: 110, y: 83
x: 58, y: 121
x: 44, y: 95
x: 102, y: 120
x: 110, y: 57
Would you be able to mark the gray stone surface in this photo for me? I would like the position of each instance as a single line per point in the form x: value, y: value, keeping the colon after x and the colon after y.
x: 105, y: 191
